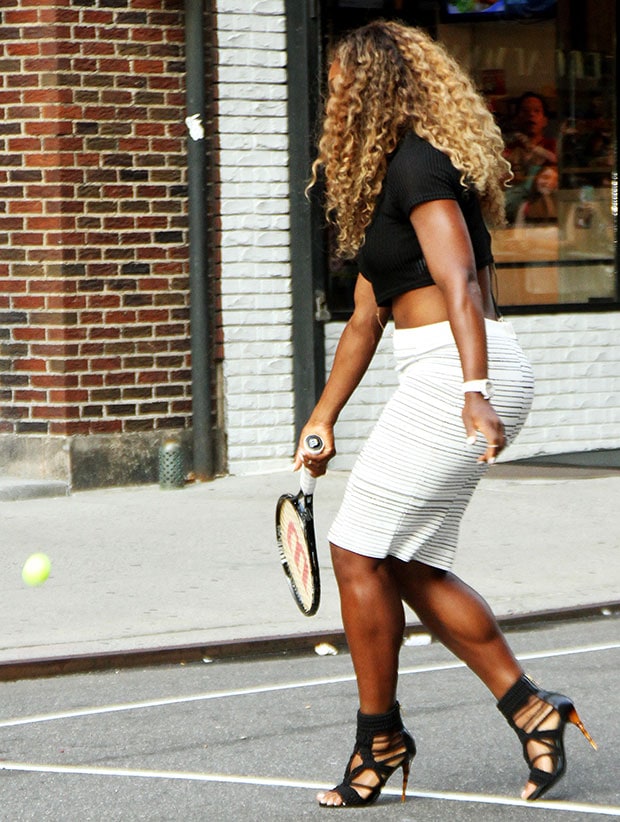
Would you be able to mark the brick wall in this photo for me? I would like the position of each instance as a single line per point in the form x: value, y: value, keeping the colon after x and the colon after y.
x: 255, y: 261
x: 576, y: 361
x: 93, y: 254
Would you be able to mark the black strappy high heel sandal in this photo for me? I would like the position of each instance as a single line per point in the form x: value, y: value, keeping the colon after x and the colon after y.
x: 382, y: 746
x: 526, y: 707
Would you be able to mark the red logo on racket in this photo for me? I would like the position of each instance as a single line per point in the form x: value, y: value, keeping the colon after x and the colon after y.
x: 299, y: 555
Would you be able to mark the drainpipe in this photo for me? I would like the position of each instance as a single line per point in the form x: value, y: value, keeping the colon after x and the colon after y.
x: 201, y: 337
x: 307, y: 257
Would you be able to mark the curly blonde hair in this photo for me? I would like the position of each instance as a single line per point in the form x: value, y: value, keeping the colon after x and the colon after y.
x: 393, y: 78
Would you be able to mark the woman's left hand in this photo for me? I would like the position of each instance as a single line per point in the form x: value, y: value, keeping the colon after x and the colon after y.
x: 479, y: 416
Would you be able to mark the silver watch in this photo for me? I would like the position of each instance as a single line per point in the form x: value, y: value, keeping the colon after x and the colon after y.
x: 484, y: 387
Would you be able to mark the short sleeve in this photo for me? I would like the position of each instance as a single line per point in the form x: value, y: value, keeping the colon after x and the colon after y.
x: 420, y: 173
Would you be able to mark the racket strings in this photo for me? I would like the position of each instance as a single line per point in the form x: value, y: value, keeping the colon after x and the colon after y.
x: 296, y: 554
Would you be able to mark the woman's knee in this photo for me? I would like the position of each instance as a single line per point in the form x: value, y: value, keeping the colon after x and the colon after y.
x: 417, y: 576
x: 350, y: 567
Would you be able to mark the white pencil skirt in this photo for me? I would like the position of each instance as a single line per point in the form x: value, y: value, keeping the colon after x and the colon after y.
x: 415, y: 475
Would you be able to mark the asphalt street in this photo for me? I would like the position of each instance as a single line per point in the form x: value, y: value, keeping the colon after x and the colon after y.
x: 237, y: 741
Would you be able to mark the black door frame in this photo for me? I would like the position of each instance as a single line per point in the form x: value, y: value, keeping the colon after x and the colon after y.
x: 303, y: 29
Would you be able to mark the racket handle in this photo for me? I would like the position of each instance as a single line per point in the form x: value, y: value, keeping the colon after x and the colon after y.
x: 307, y: 482
x: 315, y: 445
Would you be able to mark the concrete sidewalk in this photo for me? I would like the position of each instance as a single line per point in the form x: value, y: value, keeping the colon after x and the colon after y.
x: 141, y: 570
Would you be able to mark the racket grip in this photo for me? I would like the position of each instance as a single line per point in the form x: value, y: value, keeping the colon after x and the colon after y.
x: 315, y: 445
x: 307, y: 482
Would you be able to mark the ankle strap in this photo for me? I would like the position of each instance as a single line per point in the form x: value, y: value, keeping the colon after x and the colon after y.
x: 517, y: 695
x: 369, y: 725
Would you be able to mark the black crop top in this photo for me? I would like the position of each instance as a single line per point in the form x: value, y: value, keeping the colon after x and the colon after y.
x: 391, y: 257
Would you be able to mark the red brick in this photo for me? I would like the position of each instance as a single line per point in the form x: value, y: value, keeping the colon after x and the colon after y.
x: 120, y: 317
x: 25, y: 238
x: 48, y: 127
x: 61, y: 112
x: 45, y: 95
x: 18, y: 17
x: 120, y: 378
x: 50, y: 285
x: 91, y: 317
x: 62, y: 143
x: 64, y: 175
x: 149, y: 66
x: 74, y: 238
x: 29, y: 395
x: 53, y: 380
x: 11, y: 284
x: 75, y: 395
x: 24, y: 144
x: 47, y: 160
x: 23, y: 48
x: 28, y: 334
x: 31, y: 364
x: 25, y: 206
x: 66, y: 302
x: 49, y: 223
x: 47, y: 64
x: 59, y: 15
x: 104, y: 363
x: 91, y: 380
x: 104, y: 301
x: 28, y: 303
x: 98, y: 16
x: 50, y: 192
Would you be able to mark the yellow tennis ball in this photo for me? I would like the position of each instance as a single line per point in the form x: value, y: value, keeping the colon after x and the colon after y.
x: 36, y: 569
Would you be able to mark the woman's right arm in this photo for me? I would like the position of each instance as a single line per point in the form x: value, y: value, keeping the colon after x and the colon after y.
x: 354, y: 353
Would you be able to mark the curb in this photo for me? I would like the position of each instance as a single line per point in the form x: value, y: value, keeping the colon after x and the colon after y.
x: 12, y: 490
x: 259, y: 647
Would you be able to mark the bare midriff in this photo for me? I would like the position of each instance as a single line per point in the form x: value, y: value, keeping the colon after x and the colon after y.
x: 424, y: 306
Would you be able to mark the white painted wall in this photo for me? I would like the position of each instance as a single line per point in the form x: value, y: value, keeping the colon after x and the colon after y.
x: 256, y: 274
x: 576, y: 361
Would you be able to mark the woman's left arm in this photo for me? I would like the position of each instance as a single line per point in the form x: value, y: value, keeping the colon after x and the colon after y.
x: 445, y: 243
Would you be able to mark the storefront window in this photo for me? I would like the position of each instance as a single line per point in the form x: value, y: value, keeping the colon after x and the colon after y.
x: 547, y: 68
x: 550, y: 80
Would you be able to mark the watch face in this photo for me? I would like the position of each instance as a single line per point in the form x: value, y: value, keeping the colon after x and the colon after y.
x: 489, y: 388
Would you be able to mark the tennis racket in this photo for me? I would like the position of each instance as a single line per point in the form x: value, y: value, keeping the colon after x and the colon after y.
x: 296, y: 538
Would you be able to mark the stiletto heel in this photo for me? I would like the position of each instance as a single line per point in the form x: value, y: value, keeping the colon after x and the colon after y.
x: 382, y: 746
x: 527, y: 707
x: 406, y: 769
x: 573, y: 717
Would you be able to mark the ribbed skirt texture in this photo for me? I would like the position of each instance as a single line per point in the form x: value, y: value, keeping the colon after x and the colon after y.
x: 415, y: 475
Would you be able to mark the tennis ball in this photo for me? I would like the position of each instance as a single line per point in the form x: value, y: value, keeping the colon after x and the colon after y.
x: 36, y: 569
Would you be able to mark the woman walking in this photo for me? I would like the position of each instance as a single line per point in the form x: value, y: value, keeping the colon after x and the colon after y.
x: 413, y: 164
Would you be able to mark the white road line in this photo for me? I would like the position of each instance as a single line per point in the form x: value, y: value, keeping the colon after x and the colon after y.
x: 285, y: 686
x: 236, y: 779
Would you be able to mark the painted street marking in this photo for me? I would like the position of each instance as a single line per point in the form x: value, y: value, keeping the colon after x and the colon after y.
x: 285, y: 686
x: 236, y: 779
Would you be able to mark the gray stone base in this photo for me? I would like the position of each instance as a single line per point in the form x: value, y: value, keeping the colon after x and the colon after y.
x: 35, y: 457
x: 94, y: 461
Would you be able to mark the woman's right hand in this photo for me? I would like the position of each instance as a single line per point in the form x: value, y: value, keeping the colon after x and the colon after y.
x: 480, y: 416
x: 316, y: 464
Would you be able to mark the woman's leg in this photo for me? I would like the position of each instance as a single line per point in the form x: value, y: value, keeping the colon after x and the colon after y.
x: 461, y: 619
x: 374, y: 622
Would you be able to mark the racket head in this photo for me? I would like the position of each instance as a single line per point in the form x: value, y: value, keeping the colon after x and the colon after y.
x: 297, y: 546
